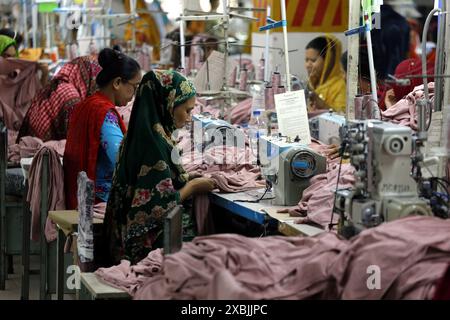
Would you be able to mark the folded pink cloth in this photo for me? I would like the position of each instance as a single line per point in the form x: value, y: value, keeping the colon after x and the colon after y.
x: 29, y: 146
x: 404, y: 111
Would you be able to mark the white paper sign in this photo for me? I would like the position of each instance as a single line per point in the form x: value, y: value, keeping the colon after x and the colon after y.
x: 292, y: 115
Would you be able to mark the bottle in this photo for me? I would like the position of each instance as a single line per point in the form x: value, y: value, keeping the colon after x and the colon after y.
x: 260, y: 72
x: 256, y: 129
x: 258, y: 98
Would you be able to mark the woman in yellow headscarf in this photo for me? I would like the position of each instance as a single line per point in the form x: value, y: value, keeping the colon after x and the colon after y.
x: 326, y: 78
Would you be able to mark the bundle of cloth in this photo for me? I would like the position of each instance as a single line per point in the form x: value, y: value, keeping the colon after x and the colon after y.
x: 404, y: 111
x: 19, y: 83
x: 232, y: 168
x: 230, y: 266
x: 29, y: 146
x: 411, y: 255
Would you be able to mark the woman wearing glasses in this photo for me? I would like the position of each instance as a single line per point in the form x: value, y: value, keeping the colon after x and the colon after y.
x: 95, y: 128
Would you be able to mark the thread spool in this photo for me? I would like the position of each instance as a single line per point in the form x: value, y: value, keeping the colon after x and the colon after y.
x: 243, y: 80
x: 281, y: 89
x: 232, y: 78
x: 268, y: 94
x: 276, y: 79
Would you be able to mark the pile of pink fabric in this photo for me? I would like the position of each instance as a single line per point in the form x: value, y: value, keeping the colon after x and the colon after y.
x: 412, y: 254
x: 317, y: 201
x: 19, y: 84
x: 29, y: 146
x: 230, y: 266
x: 404, y: 111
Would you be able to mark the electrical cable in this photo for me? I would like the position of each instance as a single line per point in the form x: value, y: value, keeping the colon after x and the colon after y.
x: 331, y: 224
x: 257, y: 200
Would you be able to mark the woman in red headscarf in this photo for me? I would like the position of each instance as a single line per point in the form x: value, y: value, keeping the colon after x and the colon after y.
x: 48, y: 116
x: 407, y: 68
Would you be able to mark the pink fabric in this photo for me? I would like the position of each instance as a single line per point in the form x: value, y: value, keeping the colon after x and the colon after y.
x: 230, y: 266
x: 29, y: 146
x: 130, y: 278
x: 56, y: 200
x: 412, y: 254
x: 241, y: 112
x: 125, y: 112
x: 18, y: 85
x: 317, y: 201
x: 99, y: 210
x: 404, y: 111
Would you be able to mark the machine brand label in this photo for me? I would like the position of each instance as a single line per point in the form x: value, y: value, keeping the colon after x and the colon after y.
x: 395, y: 188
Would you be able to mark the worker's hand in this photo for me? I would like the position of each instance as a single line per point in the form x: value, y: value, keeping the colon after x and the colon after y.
x: 202, y: 185
x: 316, y: 102
x: 390, y: 99
x: 293, y: 211
x: 195, y: 175
x: 332, y: 152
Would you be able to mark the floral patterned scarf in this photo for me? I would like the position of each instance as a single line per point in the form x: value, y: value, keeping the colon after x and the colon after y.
x: 146, y: 181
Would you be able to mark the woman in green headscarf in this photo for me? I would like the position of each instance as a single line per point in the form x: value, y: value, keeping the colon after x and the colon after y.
x: 8, y: 47
x: 147, y: 183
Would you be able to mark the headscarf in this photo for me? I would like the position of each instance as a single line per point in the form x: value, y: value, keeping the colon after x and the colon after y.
x: 331, y: 86
x: 146, y: 180
x: 331, y: 65
x: 49, y: 113
x: 410, y: 67
x: 5, y: 43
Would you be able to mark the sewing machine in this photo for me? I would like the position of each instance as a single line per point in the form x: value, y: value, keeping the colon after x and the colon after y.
x: 288, y: 167
x: 326, y: 127
x: 384, y: 189
x: 215, y: 132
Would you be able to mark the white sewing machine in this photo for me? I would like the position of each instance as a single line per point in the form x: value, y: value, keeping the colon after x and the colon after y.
x: 215, y: 132
x: 384, y: 189
x: 326, y: 127
x: 288, y: 166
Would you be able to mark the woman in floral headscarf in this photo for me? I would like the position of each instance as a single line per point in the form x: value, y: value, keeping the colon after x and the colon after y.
x: 147, y: 183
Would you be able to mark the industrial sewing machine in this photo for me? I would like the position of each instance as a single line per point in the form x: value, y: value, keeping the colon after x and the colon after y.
x: 210, y: 132
x: 384, y: 189
x: 326, y: 127
x: 288, y: 167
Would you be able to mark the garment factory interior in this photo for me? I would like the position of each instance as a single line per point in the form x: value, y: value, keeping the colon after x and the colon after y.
x: 224, y: 150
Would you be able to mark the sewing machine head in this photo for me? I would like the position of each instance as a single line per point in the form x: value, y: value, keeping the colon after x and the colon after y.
x: 288, y: 166
x: 384, y: 189
x: 326, y: 127
x: 215, y: 132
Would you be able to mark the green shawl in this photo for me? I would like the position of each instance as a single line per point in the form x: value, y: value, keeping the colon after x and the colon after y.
x: 5, y: 43
x: 146, y: 181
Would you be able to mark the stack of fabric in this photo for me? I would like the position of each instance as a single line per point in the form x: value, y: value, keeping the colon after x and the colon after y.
x: 403, y: 259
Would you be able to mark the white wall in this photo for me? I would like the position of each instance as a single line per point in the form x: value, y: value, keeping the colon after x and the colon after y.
x: 295, y: 41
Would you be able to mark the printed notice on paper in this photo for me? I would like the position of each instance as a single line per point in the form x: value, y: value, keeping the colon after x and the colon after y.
x: 293, y: 115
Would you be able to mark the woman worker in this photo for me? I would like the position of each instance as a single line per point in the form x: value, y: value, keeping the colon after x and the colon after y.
x: 96, y: 129
x: 48, y: 116
x: 326, y: 79
x: 147, y: 181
